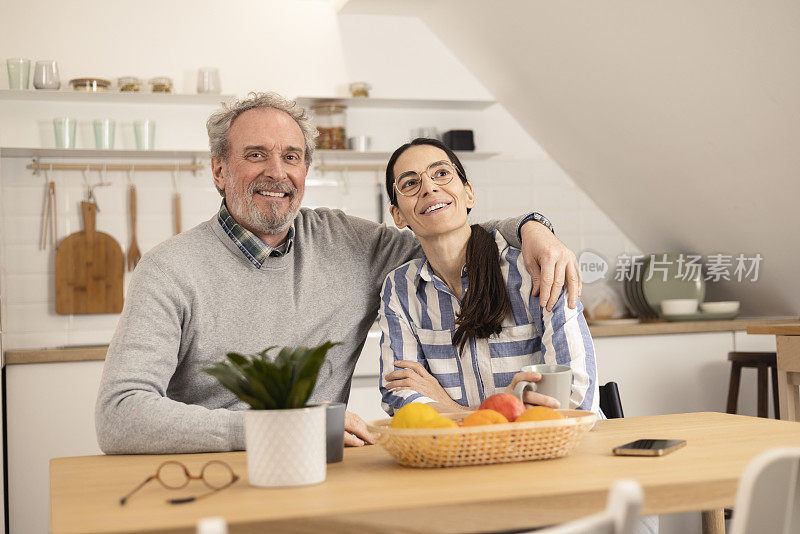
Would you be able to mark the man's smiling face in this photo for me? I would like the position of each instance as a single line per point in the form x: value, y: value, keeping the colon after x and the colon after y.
x: 264, y: 175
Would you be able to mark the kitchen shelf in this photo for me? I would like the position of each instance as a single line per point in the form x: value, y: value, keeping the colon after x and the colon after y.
x: 398, y: 103
x: 111, y: 97
x: 24, y: 152
x: 340, y: 155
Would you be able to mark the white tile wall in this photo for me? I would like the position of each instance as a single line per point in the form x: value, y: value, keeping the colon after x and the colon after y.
x: 505, y: 187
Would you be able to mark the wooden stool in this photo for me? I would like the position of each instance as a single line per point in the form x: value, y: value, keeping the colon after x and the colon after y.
x: 761, y: 361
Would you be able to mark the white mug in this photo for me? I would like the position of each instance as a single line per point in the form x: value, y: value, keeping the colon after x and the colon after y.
x: 556, y: 382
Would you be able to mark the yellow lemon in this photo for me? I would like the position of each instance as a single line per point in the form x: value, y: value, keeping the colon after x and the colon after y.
x: 414, y: 415
x: 440, y: 422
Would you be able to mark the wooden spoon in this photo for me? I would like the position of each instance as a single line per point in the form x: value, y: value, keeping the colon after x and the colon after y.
x: 134, y: 255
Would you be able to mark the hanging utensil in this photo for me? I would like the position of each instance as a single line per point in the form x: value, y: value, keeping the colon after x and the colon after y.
x: 134, y: 255
x: 176, y: 200
x: 49, y: 219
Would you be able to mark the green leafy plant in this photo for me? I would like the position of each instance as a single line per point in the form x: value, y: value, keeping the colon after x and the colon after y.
x: 281, y: 383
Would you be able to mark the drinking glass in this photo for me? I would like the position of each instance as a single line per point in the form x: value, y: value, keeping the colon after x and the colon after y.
x: 208, y: 81
x: 45, y: 75
x: 104, y: 134
x: 145, y: 133
x: 65, y: 132
x: 19, y: 71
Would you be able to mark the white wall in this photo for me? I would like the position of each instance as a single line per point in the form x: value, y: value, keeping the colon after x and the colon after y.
x: 679, y: 118
x: 297, y: 48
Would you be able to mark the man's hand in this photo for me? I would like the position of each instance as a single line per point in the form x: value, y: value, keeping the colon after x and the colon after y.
x: 550, y: 264
x: 532, y: 397
x: 355, y: 431
x: 412, y: 375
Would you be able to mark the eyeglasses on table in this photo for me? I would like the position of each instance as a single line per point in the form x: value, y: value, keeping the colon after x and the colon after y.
x: 215, y: 474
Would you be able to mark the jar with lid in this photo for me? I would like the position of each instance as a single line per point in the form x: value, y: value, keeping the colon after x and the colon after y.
x: 331, y: 120
x: 359, y: 89
x: 93, y: 85
x: 161, y: 84
x: 128, y: 84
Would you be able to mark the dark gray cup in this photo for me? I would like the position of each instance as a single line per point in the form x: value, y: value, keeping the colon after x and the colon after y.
x: 334, y: 431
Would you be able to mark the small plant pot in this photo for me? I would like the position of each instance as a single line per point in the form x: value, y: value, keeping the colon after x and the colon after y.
x: 285, y: 447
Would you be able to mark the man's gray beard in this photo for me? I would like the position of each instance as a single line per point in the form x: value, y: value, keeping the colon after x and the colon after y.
x: 272, y: 222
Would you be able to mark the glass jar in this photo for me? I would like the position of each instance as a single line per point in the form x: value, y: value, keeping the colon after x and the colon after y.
x: 90, y: 84
x: 128, y: 84
x: 331, y: 120
x: 359, y: 89
x: 161, y: 84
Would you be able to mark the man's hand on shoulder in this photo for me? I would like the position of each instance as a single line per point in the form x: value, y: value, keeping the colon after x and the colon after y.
x: 551, y: 264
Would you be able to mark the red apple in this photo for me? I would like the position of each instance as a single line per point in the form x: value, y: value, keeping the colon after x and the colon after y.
x: 508, y: 405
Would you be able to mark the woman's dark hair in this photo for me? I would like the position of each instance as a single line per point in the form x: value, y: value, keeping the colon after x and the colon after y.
x: 486, y: 302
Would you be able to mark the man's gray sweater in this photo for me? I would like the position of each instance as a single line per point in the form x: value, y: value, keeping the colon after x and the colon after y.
x: 196, y: 297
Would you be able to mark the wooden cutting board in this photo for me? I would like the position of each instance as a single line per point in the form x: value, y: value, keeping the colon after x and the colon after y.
x: 89, y: 270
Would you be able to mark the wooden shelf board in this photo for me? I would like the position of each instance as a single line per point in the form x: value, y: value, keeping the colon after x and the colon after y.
x: 398, y: 103
x: 112, y: 97
x: 33, y: 152
x: 323, y: 155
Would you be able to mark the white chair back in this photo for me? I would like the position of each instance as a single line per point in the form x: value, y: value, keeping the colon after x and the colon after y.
x: 212, y: 525
x: 620, y: 516
x: 768, y: 499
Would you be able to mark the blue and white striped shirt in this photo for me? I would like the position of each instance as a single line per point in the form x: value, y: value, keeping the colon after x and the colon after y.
x: 417, y: 316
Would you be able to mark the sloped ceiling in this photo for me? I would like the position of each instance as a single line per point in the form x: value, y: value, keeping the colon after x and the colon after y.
x: 681, y: 119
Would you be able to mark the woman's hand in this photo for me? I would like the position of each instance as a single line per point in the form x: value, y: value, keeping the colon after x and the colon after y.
x: 413, y: 375
x: 532, y: 397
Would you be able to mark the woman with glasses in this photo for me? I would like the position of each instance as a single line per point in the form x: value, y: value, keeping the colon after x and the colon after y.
x: 460, y: 323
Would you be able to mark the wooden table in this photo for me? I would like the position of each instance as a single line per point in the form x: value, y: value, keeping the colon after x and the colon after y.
x: 787, y: 340
x: 368, y: 492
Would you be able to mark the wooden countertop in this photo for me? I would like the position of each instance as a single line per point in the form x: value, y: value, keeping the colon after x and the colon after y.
x: 777, y: 329
x: 98, y: 352
x: 687, y: 327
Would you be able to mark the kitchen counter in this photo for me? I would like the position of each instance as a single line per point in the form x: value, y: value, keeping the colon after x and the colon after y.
x: 98, y: 352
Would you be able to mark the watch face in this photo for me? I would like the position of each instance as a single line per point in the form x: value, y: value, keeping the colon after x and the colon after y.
x: 542, y: 219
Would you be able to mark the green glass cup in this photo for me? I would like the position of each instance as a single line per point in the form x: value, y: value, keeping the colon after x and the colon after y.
x: 65, y: 132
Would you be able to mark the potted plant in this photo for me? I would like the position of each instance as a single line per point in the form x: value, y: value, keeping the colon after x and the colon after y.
x: 285, y: 439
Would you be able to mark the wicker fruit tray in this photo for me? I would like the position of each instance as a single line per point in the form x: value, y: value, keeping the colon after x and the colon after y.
x: 490, y: 444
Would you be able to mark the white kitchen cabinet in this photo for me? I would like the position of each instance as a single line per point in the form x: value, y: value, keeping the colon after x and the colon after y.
x: 50, y: 414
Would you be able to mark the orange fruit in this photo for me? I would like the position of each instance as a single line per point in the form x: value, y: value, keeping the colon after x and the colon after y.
x: 539, y: 413
x: 484, y: 417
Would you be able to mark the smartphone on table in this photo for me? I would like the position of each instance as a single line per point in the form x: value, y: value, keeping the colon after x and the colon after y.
x: 649, y: 447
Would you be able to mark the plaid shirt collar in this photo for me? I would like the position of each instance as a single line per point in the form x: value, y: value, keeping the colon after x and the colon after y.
x: 251, y: 246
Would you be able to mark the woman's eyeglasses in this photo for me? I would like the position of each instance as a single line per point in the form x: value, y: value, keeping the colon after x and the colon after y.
x: 409, y: 183
x: 174, y: 475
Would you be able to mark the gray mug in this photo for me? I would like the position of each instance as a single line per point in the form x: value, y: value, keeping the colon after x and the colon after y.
x: 556, y: 382
x: 334, y: 431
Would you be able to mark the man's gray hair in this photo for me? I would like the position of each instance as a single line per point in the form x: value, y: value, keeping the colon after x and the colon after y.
x: 219, y: 123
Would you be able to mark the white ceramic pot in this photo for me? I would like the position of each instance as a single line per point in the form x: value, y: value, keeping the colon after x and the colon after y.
x: 285, y: 447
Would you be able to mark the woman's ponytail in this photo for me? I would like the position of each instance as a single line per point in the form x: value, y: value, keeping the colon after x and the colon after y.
x: 486, y: 302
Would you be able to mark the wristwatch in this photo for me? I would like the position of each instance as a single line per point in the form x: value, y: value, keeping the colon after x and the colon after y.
x: 538, y: 217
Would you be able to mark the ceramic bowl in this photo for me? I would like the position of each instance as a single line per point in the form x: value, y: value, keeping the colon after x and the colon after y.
x: 728, y: 306
x: 678, y: 306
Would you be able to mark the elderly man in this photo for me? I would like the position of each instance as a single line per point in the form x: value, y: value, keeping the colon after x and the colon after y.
x: 261, y: 272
